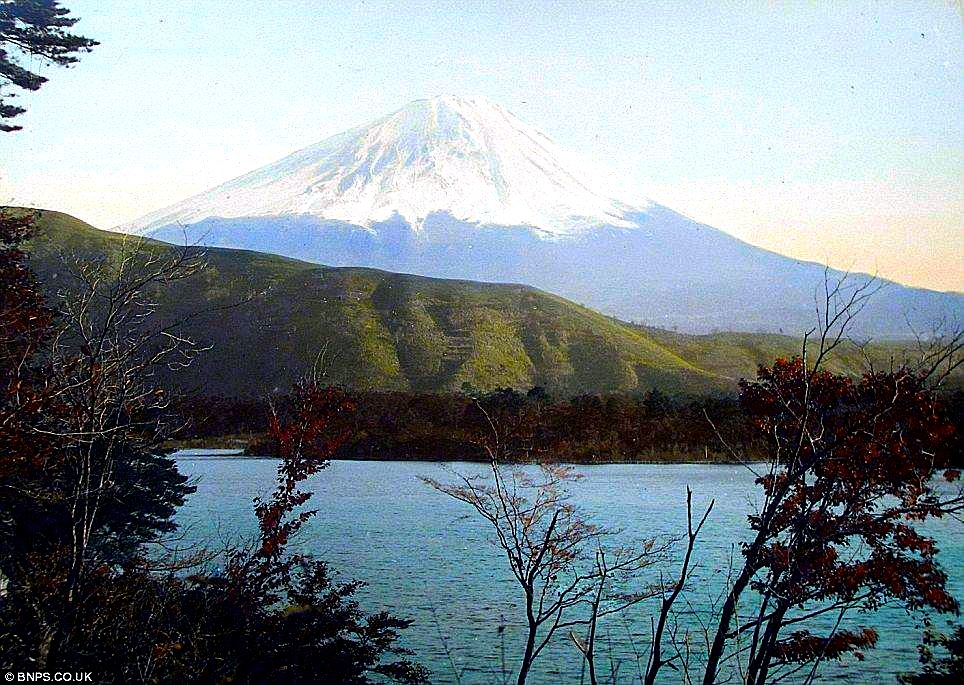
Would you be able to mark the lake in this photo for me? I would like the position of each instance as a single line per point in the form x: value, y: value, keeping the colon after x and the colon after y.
x: 425, y: 557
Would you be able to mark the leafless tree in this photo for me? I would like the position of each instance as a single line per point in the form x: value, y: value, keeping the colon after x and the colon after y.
x: 107, y: 350
x: 557, y: 557
x: 670, y: 593
x: 938, y: 354
x: 606, y: 599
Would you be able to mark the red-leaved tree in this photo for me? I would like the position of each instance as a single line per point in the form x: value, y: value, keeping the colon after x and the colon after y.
x: 283, y: 617
x: 854, y: 464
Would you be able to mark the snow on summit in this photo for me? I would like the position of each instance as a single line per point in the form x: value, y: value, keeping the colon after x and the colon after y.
x: 465, y: 156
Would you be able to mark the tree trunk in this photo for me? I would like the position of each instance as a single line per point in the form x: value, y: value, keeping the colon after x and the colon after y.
x: 739, y: 585
x: 760, y: 667
x: 527, y: 657
x: 530, y: 640
x: 590, y: 653
x: 723, y: 627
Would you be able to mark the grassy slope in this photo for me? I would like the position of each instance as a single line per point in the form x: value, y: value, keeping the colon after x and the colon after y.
x: 396, y: 331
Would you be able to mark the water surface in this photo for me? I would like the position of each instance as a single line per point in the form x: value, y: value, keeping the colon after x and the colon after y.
x: 425, y: 557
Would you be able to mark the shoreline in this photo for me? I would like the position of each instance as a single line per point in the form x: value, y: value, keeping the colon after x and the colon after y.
x: 222, y: 450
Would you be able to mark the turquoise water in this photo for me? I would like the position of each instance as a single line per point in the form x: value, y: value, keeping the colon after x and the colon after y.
x: 426, y: 558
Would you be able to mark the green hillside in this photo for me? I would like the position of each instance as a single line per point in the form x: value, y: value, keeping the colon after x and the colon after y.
x: 267, y: 318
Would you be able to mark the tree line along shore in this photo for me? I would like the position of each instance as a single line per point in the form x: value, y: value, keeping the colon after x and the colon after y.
x: 533, y: 425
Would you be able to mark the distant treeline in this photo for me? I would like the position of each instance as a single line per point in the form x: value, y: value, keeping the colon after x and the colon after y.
x: 651, y: 427
x: 517, y: 425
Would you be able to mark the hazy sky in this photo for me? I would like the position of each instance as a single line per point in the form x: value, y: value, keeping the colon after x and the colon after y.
x: 831, y: 132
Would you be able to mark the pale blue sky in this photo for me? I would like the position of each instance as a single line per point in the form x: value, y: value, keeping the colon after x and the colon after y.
x: 827, y: 131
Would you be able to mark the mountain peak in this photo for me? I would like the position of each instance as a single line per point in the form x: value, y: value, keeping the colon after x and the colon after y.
x: 465, y: 156
x: 456, y: 102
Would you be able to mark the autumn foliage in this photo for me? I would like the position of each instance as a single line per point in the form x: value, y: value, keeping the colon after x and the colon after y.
x: 864, y: 470
x: 855, y: 464
x: 279, y: 616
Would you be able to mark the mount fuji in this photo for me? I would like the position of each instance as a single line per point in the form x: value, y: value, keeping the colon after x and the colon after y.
x: 461, y: 188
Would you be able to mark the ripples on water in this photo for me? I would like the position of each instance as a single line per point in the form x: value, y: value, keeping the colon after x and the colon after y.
x: 425, y: 557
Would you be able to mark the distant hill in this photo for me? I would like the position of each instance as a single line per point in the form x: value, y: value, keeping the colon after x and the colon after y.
x: 267, y: 318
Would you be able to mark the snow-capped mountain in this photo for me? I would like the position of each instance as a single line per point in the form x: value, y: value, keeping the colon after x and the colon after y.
x: 460, y: 188
x: 468, y: 157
